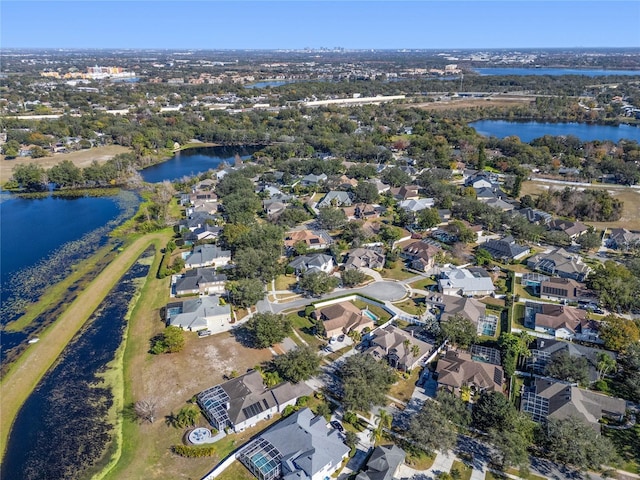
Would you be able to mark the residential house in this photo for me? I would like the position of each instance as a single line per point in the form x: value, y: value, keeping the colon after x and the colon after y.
x: 383, y: 464
x: 335, y: 198
x: 505, y: 249
x: 421, y: 254
x: 535, y: 216
x: 314, y: 262
x: 481, y: 179
x: 560, y: 263
x: 499, y: 204
x: 458, y: 369
x: 299, y: 447
x: 623, y: 239
x: 312, y: 179
x: 197, y: 220
x: 203, y: 281
x: 572, y: 229
x: 207, y: 255
x: 562, y: 290
x: 313, y: 239
x: 448, y: 306
x: 401, y: 349
x: 415, y: 205
x: 544, y: 350
x: 244, y: 401
x: 358, y: 258
x: 558, y: 320
x: 363, y: 211
x: 202, y: 313
x: 342, y: 318
x: 551, y: 399
x: 406, y: 192
x: 382, y: 187
x: 273, y: 208
x: 473, y: 281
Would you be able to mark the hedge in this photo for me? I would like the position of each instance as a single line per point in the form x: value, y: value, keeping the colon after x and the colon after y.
x: 194, y: 452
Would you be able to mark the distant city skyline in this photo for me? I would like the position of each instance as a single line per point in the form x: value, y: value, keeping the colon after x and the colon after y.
x: 452, y: 24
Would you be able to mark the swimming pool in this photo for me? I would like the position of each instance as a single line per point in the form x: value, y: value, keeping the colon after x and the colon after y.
x: 370, y: 315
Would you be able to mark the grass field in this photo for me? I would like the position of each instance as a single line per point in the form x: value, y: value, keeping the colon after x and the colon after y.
x: 420, y: 460
x: 412, y: 305
x: 423, y: 284
x: 631, y: 197
x: 464, y: 470
x: 474, y: 102
x: 81, y: 159
x: 404, y: 387
x: 397, y: 272
x: 34, y: 363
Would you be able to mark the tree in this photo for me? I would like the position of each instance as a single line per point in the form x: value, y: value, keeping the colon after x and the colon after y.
x: 567, y: 368
x: 517, y: 186
x: 171, y: 340
x: 366, y: 192
x: 482, y: 156
x: 266, y: 329
x: 570, y: 441
x: 454, y: 409
x: 331, y: 218
x: 589, y: 240
x: 512, y: 445
x: 187, y: 417
x: 493, y: 410
x: 629, y: 374
x: 606, y: 363
x: 459, y: 330
x: 352, y: 277
x: 483, y: 257
x: 617, y: 287
x: 318, y: 283
x: 511, y: 347
x: 395, y: 177
x: 618, y: 333
x: 297, y: 365
x: 464, y: 233
x: 428, y: 218
x: 146, y: 409
x: 351, y: 439
x: 246, y: 292
x: 259, y: 263
x: 29, y: 176
x: 65, y: 174
x: 390, y: 234
x: 11, y: 149
x: 365, y: 382
x: 431, y: 430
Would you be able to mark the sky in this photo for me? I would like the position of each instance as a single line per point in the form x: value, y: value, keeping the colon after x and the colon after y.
x: 294, y: 24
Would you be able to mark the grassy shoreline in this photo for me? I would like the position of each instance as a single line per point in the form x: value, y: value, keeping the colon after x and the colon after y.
x: 29, y: 369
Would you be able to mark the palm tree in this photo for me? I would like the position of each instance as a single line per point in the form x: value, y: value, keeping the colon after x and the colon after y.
x: 415, y: 350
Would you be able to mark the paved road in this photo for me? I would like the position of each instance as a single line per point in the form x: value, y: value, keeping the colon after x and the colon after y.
x: 384, y: 291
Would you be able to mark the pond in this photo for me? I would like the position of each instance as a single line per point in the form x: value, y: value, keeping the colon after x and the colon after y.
x: 527, y: 131
x: 194, y: 161
x: 63, y: 430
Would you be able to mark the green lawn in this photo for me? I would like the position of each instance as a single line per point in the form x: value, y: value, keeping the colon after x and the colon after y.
x: 463, y: 469
x: 285, y: 282
x: 518, y: 316
x: 524, y: 292
x: 627, y: 444
x: 404, y: 387
x: 397, y: 272
x: 236, y: 471
x: 423, y: 284
x: 419, y: 460
x: 305, y: 328
x: 379, y: 312
x: 412, y: 305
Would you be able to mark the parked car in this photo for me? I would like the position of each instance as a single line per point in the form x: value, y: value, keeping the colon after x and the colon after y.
x: 205, y: 333
x: 341, y: 338
x: 336, y: 424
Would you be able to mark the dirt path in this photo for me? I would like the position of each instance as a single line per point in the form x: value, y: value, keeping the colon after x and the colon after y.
x: 34, y: 363
x: 81, y: 159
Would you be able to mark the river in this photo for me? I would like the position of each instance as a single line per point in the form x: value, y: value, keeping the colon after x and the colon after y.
x: 62, y: 431
x: 527, y: 131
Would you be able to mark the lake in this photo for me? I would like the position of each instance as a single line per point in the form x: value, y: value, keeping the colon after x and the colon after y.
x: 527, y: 131
x: 554, y: 71
x: 194, y: 161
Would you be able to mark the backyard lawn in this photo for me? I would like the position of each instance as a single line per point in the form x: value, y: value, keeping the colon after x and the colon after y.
x: 404, y: 387
x: 236, y: 471
x: 305, y: 328
x: 423, y: 284
x: 413, y: 306
x: 518, y: 316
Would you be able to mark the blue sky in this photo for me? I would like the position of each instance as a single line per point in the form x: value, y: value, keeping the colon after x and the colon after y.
x: 297, y: 24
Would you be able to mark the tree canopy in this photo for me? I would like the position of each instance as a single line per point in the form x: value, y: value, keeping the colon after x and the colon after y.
x: 298, y: 364
x: 365, y: 382
x: 266, y: 329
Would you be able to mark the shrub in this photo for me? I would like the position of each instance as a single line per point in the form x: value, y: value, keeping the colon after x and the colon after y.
x: 194, y: 452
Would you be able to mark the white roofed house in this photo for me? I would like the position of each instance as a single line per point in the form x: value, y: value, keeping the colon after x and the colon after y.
x: 202, y: 313
x: 466, y: 282
x: 415, y: 205
x: 208, y: 255
x: 335, y: 198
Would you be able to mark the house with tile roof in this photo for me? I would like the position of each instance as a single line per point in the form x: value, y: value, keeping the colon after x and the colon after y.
x: 244, y: 401
x: 207, y: 255
x: 458, y: 369
x: 399, y: 348
x: 335, y: 198
x: 505, y: 249
x: 383, y: 464
x: 547, y: 398
x: 560, y: 263
x: 558, y: 320
x: 203, y: 281
x: 358, y: 258
x: 473, y: 281
x: 573, y: 229
x: 314, y: 262
x: 342, y: 318
x: 313, y: 239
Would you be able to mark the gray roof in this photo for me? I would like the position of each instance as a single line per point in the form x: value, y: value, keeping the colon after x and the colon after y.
x: 310, y: 263
x: 306, y: 443
x: 365, y: 257
x: 206, y: 254
x: 416, y: 205
x: 383, y: 463
x: 335, y: 198
x: 559, y: 262
x: 192, y: 279
x: 195, y: 312
x: 504, y: 248
x: 466, y: 279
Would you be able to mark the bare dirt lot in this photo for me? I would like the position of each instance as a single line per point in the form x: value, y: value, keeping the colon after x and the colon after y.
x: 81, y: 159
x: 474, y: 102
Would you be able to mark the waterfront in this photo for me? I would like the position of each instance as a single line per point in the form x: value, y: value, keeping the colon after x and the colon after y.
x: 194, y: 161
x: 555, y: 71
x: 527, y: 131
x: 64, y: 428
